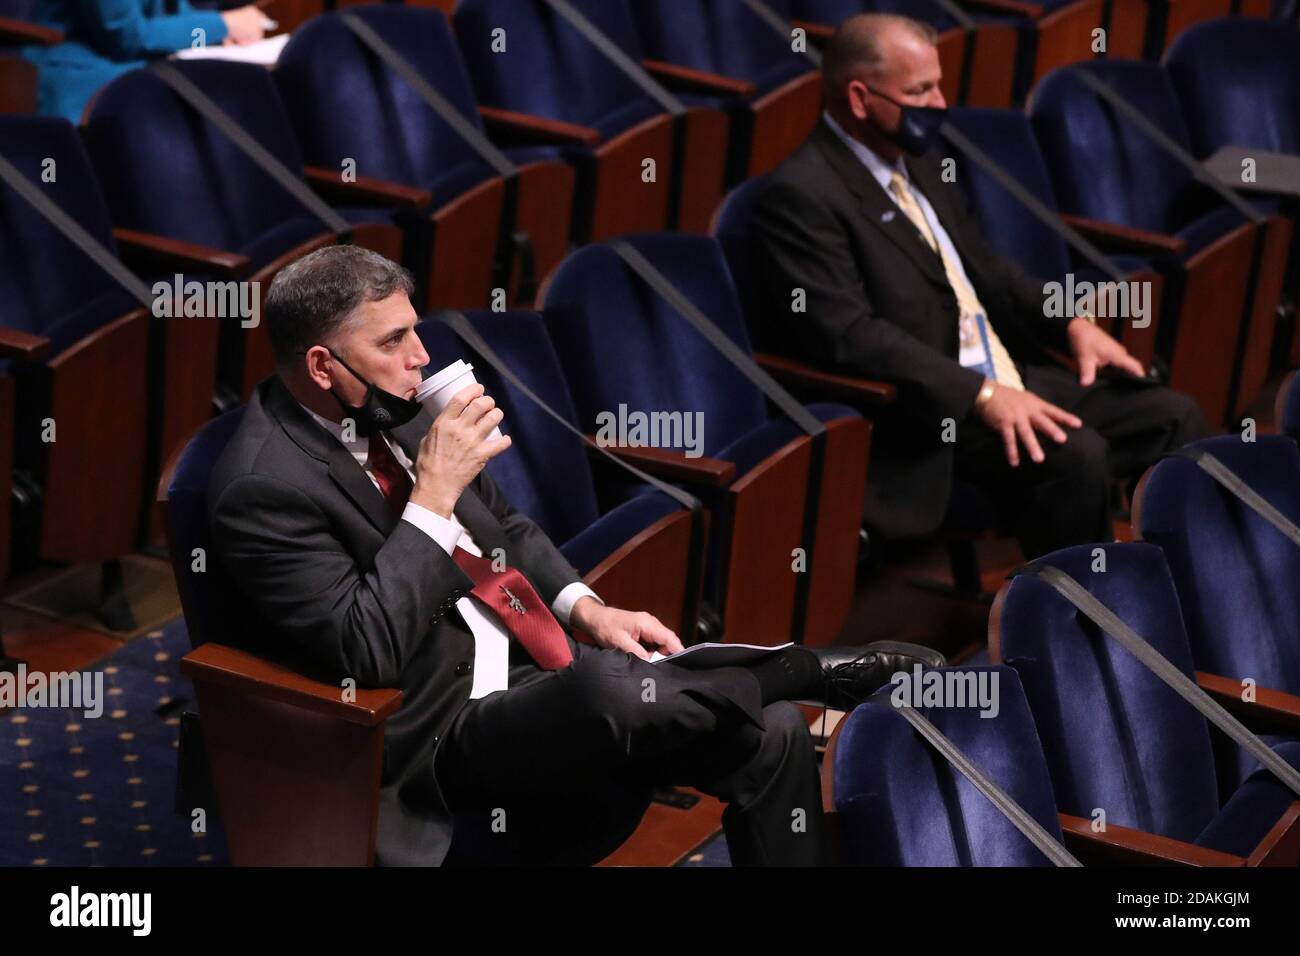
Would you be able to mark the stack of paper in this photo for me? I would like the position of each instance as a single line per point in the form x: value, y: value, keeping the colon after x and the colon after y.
x: 263, y: 52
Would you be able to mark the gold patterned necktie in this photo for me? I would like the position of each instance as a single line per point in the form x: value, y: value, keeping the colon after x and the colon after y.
x: 1004, y: 369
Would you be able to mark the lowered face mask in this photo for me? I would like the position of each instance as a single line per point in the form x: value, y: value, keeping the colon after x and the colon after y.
x: 917, y: 127
x: 380, y: 411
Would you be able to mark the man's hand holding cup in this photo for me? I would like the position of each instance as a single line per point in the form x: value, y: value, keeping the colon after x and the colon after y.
x: 457, y: 446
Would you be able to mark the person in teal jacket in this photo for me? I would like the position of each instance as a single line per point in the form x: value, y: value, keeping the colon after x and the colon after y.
x: 106, y: 38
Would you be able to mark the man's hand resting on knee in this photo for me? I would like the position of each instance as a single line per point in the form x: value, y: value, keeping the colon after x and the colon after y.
x: 635, y: 632
x: 1017, y: 415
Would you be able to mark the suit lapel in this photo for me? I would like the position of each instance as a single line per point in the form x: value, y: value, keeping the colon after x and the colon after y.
x: 876, y: 206
x: 942, y: 200
x: 315, y: 441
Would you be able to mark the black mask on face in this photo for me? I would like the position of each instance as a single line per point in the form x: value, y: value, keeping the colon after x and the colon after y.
x: 917, y: 127
x: 380, y: 411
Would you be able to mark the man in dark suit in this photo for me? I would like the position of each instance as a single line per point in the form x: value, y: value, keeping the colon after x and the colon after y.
x: 872, y: 264
x: 372, y: 545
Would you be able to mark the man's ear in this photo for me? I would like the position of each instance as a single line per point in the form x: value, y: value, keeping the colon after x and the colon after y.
x: 859, y: 98
x: 319, y: 366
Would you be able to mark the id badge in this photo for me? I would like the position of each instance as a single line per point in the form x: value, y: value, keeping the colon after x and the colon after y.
x: 975, y: 352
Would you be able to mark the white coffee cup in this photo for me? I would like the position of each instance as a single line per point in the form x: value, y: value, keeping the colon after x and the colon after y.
x: 436, y: 391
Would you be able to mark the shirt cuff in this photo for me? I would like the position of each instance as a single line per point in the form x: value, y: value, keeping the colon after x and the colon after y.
x: 570, y: 596
x: 440, y: 529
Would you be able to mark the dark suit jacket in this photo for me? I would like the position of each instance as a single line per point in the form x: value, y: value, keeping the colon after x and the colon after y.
x: 879, y: 305
x: 341, y: 589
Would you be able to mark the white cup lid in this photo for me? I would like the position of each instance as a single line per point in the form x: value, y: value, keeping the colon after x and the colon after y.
x: 441, y: 378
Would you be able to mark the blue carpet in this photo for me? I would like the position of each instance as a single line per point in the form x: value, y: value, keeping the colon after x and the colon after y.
x: 78, y: 791
x: 712, y: 853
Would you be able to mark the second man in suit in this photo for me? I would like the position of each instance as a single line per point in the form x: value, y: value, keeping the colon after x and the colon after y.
x: 896, y: 282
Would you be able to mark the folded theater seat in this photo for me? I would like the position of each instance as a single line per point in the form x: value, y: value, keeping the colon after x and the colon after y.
x: 1237, y: 575
x: 1238, y: 80
x: 473, y: 213
x: 94, y: 388
x: 181, y: 175
x: 629, y: 347
x: 1131, y: 759
x: 726, y: 53
x: 571, y: 75
x: 897, y: 802
x: 1222, y: 258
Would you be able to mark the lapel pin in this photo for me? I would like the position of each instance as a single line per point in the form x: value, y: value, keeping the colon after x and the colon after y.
x: 887, y: 216
x: 516, y: 605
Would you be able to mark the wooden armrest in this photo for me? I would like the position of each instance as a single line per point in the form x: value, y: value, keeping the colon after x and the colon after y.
x: 698, y: 80
x: 818, y: 31
x: 1125, y: 847
x: 1013, y: 7
x: 365, y: 190
x: 148, y: 254
x: 233, y: 669
x: 22, y: 345
x: 21, y: 33
x: 672, y: 465
x: 538, y: 128
x: 798, y: 374
x: 1128, y: 239
x: 1273, y: 710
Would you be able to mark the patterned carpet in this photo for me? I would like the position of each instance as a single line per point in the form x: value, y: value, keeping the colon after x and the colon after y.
x: 78, y: 791
x: 712, y: 853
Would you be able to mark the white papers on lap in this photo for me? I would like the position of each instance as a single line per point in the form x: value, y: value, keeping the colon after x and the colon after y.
x: 263, y: 52
x: 719, y: 655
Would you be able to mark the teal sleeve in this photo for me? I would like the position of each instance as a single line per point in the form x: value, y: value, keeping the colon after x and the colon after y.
x: 123, y: 32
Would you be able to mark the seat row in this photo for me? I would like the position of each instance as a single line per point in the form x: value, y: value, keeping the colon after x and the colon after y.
x: 1100, y: 751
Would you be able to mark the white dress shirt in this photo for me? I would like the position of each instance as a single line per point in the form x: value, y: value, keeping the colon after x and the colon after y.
x: 881, y: 172
x: 491, y: 642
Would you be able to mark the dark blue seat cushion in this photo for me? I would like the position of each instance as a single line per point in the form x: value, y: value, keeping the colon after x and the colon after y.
x: 902, y: 804
x: 615, y: 528
x: 1116, y: 737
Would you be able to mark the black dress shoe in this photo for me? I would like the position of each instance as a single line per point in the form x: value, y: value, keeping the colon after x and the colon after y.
x: 852, y: 674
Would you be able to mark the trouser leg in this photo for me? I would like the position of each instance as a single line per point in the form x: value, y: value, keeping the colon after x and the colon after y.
x: 611, y: 719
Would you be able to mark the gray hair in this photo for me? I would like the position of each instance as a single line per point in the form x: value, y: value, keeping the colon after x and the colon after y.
x: 312, y: 298
x: 855, y: 47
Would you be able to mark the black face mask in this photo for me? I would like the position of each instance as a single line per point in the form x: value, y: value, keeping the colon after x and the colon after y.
x: 917, y: 127
x: 380, y: 411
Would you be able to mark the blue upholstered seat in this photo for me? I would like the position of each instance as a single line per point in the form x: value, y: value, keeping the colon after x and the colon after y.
x: 546, y: 474
x: 619, y: 343
x: 1116, y: 737
x: 719, y: 36
x: 1237, y: 577
x: 902, y: 804
x: 206, y: 597
x: 1105, y: 168
x: 175, y: 175
x: 1238, y: 79
x: 47, y: 286
x: 97, y: 333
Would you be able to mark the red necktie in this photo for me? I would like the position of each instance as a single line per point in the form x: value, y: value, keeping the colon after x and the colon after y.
x: 519, y: 608
x: 394, y: 482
